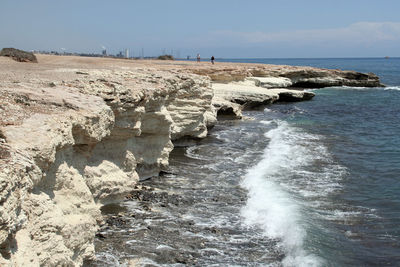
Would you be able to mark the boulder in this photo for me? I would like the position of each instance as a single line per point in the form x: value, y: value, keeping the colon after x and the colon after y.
x: 18, y: 55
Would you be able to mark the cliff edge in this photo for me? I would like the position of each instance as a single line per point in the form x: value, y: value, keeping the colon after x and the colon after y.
x: 77, y: 133
x: 75, y: 138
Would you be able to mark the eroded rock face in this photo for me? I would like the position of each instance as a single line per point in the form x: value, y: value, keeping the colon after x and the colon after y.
x: 318, y: 78
x: 276, y: 76
x: 69, y: 145
x: 250, y: 96
x: 271, y: 82
x: 227, y: 108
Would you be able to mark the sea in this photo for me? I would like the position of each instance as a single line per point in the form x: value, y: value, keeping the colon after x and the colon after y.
x: 314, y: 183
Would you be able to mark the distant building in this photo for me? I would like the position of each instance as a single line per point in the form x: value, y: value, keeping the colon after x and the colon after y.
x: 126, y: 53
x: 104, y: 52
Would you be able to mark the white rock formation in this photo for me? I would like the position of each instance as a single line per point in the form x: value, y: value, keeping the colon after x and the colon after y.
x: 226, y: 107
x: 83, y: 142
x: 271, y: 82
x: 250, y: 95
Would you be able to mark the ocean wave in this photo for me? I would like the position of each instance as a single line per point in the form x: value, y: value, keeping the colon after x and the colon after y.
x: 266, y: 122
x: 397, y: 88
x: 270, y: 205
x: 344, y: 87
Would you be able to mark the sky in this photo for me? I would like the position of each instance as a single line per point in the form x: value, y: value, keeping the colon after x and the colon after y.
x: 225, y: 29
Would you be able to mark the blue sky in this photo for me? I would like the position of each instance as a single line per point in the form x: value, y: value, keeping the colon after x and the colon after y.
x: 229, y: 29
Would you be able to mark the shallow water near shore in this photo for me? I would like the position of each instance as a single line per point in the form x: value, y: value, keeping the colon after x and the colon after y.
x: 312, y: 183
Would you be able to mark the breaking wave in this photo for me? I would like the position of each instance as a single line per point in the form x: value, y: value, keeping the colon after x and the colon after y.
x: 279, y: 187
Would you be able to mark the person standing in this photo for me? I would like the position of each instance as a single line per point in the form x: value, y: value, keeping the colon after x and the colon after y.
x: 212, y: 59
x: 198, y: 57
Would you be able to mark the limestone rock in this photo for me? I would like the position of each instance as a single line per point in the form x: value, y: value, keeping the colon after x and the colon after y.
x: 318, y: 78
x: 300, y: 77
x: 71, y: 142
x: 227, y: 108
x: 252, y: 96
x: 271, y: 82
x: 190, y: 109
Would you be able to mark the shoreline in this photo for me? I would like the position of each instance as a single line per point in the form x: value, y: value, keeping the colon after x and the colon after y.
x: 103, y: 124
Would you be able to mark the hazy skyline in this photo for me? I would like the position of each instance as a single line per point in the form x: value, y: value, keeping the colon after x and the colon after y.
x: 229, y: 29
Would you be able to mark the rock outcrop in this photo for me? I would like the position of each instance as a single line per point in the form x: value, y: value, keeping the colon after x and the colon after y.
x: 271, y: 82
x: 76, y: 133
x: 69, y: 145
x: 249, y: 95
x: 274, y: 76
x: 18, y: 55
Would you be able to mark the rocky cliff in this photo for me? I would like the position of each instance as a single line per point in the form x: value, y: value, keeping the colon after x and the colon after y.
x: 76, y: 133
x: 81, y: 139
x: 276, y: 76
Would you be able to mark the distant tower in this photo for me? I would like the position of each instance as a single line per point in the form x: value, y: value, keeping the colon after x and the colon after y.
x: 127, y: 53
x: 104, y: 53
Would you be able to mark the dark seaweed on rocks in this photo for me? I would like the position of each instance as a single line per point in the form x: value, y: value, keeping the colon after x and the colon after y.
x: 150, y: 195
x: 18, y: 55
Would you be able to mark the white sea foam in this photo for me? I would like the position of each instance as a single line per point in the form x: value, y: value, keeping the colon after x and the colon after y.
x: 397, y: 88
x: 130, y: 242
x: 270, y: 206
x: 359, y: 88
x: 108, y: 259
x: 266, y: 122
x: 345, y: 87
x: 191, y: 152
x: 164, y: 247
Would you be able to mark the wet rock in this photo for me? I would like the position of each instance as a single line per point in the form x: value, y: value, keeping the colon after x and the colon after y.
x: 156, y: 197
x: 100, y: 235
x: 174, y: 256
x: 294, y: 96
x: 117, y: 221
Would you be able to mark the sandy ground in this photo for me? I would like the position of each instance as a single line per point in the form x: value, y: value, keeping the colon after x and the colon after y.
x: 12, y: 70
x: 47, y: 62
